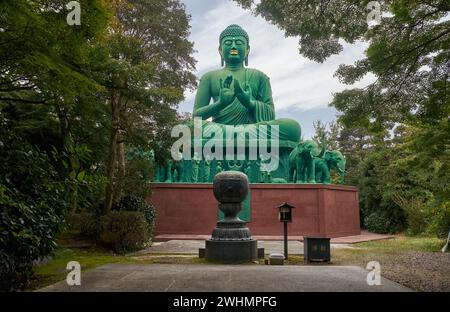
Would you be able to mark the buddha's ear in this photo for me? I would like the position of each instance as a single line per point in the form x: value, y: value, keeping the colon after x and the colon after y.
x: 222, y: 61
x: 246, y: 56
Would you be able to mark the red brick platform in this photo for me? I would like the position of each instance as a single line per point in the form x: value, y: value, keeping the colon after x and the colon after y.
x: 190, y: 210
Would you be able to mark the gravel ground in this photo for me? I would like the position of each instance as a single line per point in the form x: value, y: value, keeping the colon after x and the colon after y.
x: 421, y: 271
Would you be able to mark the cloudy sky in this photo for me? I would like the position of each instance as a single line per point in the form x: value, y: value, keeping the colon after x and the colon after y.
x: 301, y: 88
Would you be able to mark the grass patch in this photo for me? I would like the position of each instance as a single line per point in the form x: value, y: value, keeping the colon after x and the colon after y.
x: 55, y: 270
x: 292, y: 260
x: 404, y: 244
x: 384, y: 250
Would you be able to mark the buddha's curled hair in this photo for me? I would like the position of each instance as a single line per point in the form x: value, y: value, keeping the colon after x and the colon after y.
x: 234, y: 31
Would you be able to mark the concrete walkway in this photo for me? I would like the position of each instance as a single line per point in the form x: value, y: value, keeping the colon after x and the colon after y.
x: 192, y: 246
x: 224, y: 278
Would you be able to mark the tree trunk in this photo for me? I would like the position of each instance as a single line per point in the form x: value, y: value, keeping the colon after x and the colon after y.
x: 112, y: 152
x: 121, y: 154
x: 71, y: 170
x: 74, y: 198
x: 121, y: 165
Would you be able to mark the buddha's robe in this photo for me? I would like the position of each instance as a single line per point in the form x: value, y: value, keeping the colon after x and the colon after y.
x: 236, y: 113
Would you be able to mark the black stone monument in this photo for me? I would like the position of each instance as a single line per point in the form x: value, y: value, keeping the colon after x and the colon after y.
x: 231, y: 240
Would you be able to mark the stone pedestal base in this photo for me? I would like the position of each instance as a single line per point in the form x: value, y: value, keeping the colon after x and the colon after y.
x: 231, y: 251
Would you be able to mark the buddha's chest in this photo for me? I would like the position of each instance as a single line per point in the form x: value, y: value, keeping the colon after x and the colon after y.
x: 219, y: 79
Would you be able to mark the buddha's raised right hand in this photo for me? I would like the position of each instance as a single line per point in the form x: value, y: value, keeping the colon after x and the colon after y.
x: 226, y: 94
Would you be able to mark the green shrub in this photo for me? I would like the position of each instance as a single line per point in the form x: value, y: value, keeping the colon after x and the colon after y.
x: 138, y: 175
x: 134, y: 203
x: 379, y: 212
x: 439, y: 223
x: 417, y: 213
x: 124, y: 231
x: 32, y: 207
x: 381, y: 223
x: 27, y: 233
x: 85, y: 224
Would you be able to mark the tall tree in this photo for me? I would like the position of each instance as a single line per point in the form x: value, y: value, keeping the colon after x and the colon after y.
x: 41, y: 56
x: 330, y: 131
x: 45, y: 81
x: 151, y: 65
x: 48, y: 113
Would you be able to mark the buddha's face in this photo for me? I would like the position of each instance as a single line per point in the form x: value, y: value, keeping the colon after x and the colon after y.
x: 234, y: 50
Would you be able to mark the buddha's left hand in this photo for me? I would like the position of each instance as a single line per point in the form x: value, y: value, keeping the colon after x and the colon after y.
x: 244, y: 96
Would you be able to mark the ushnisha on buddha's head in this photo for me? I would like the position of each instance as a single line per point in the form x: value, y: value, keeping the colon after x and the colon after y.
x: 234, y: 45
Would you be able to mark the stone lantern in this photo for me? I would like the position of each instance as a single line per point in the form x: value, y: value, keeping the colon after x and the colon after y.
x: 231, y: 240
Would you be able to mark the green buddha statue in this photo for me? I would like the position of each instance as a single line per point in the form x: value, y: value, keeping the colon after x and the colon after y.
x: 240, y: 95
x: 234, y: 118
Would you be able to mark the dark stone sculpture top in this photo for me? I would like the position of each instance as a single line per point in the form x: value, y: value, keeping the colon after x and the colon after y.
x: 230, y: 187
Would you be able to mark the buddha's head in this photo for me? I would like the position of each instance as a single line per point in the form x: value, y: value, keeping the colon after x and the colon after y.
x: 234, y: 45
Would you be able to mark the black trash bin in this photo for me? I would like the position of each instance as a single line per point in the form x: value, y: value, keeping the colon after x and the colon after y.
x: 316, y: 249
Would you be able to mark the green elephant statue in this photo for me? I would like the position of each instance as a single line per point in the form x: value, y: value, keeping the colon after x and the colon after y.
x: 301, y: 162
x: 331, y: 160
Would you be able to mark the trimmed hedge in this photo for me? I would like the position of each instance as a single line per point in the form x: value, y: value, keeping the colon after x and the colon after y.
x: 124, y: 231
x: 135, y: 203
x: 85, y: 223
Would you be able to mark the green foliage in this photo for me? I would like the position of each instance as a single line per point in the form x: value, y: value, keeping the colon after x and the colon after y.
x: 395, y: 132
x: 439, y: 224
x: 149, y: 67
x: 139, y: 173
x: 42, y: 57
x: 330, y: 130
x: 416, y: 214
x: 59, y: 90
x: 318, y: 24
x: 124, y: 231
x: 408, y: 53
x: 84, y: 187
x: 32, y: 209
x: 408, y: 178
x: 138, y: 204
x: 85, y: 224
x: 430, y: 217
x: 375, y: 196
x: 48, y: 93
x: 379, y: 222
x: 421, y: 173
